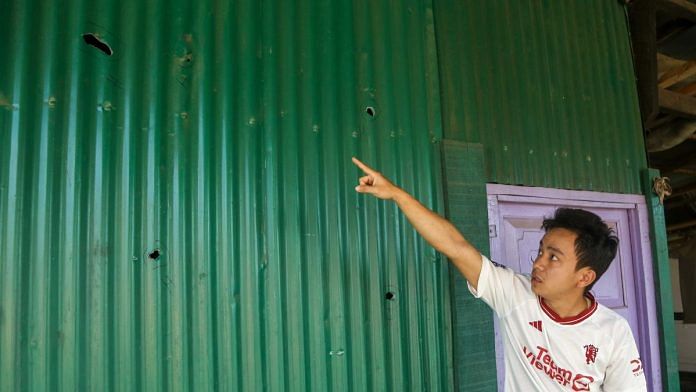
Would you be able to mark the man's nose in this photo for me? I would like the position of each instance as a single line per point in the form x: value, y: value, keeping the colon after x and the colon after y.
x: 538, y: 263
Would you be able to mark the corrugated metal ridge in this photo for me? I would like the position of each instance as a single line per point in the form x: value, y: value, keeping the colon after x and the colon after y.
x: 547, y: 87
x: 180, y: 215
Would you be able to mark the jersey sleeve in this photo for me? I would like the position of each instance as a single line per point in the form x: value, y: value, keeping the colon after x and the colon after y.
x: 500, y: 287
x: 625, y: 371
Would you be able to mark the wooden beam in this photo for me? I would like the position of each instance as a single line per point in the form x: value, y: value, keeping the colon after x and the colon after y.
x: 670, y: 135
x: 689, y: 172
x: 684, y: 9
x: 669, y: 360
x: 676, y: 103
x: 682, y: 166
x: 677, y: 74
x: 642, y: 24
x: 680, y: 191
x: 660, y: 121
x: 689, y: 89
x: 677, y: 241
x: 676, y: 236
x: 682, y: 225
x: 671, y: 204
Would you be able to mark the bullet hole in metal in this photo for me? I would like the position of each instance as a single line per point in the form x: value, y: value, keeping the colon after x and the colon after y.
x: 154, y: 255
x: 370, y: 111
x: 390, y: 296
x: 106, y: 106
x: 92, y: 40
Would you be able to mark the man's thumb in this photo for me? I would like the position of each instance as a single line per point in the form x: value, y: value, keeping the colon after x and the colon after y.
x: 362, y: 189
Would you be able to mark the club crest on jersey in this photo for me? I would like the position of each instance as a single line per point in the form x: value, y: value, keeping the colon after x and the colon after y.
x: 590, y: 353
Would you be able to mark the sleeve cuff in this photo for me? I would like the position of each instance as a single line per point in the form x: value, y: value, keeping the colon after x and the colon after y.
x: 482, y: 279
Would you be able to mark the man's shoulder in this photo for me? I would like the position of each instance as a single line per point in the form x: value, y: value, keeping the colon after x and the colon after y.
x: 609, y: 314
x: 523, y: 281
x: 496, y: 264
x: 609, y: 320
x: 501, y: 287
x: 507, y: 269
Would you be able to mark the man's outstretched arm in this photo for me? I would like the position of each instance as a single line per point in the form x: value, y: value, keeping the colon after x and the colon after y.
x: 436, y: 230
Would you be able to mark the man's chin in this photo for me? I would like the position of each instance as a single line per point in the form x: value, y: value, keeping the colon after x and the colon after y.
x: 536, y: 289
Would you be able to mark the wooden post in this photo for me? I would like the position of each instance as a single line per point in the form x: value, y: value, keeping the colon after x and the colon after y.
x: 663, y: 284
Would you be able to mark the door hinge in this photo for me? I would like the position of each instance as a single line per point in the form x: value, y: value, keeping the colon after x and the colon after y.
x: 492, y: 231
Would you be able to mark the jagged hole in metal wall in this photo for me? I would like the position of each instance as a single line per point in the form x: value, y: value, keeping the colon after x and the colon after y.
x: 92, y: 40
x: 154, y: 255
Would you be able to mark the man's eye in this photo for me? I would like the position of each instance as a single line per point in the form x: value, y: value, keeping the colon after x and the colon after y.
x: 554, y: 258
x: 539, y: 252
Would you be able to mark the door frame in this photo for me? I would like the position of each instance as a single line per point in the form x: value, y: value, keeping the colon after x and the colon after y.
x: 639, y: 227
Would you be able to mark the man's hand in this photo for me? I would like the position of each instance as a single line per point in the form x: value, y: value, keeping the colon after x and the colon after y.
x: 375, y: 183
x: 436, y: 230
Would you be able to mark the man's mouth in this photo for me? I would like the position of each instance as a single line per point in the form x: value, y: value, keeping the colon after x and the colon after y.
x: 536, y: 279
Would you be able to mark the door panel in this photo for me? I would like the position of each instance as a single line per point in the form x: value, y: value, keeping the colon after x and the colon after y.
x: 515, y: 243
x: 521, y: 232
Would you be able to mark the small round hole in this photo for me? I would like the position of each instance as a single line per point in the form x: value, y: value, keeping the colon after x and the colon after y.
x: 154, y: 255
x: 390, y: 296
x: 370, y: 111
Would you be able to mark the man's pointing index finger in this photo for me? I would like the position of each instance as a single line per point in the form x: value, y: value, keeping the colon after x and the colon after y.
x: 363, y: 167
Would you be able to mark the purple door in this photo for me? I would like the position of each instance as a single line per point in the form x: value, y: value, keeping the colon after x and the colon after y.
x: 515, y: 231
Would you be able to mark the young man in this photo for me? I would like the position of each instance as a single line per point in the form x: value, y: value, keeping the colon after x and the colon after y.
x: 556, y: 336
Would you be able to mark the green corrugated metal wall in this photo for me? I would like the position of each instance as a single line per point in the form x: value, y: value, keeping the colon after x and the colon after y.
x: 472, y: 320
x: 218, y: 133
x: 547, y: 87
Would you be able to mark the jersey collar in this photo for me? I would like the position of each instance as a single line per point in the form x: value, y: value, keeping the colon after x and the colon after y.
x: 582, y: 316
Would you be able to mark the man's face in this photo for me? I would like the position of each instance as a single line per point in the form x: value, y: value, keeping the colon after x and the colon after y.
x: 553, y: 273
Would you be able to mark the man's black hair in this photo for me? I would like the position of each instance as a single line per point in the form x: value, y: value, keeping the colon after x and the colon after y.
x: 595, y: 245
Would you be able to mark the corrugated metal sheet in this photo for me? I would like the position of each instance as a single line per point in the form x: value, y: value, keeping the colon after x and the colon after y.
x: 547, y: 87
x: 180, y: 215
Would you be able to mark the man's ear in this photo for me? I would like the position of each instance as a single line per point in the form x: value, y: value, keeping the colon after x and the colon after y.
x: 587, y: 277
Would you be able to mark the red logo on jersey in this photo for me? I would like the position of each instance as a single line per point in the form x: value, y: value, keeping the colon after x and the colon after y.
x: 536, y: 324
x: 590, y: 353
x: 543, y: 362
x: 637, y: 367
x: 582, y: 382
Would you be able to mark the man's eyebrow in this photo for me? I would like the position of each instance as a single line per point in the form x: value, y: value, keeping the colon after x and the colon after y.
x: 556, y: 250
x: 553, y: 248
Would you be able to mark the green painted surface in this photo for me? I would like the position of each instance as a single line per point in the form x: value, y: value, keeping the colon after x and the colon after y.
x: 547, y: 87
x: 472, y: 319
x: 663, y: 284
x: 219, y: 133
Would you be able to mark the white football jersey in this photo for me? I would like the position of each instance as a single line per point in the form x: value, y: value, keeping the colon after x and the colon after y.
x: 593, y: 351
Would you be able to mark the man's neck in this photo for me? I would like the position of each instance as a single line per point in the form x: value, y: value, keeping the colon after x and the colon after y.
x: 568, y: 307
